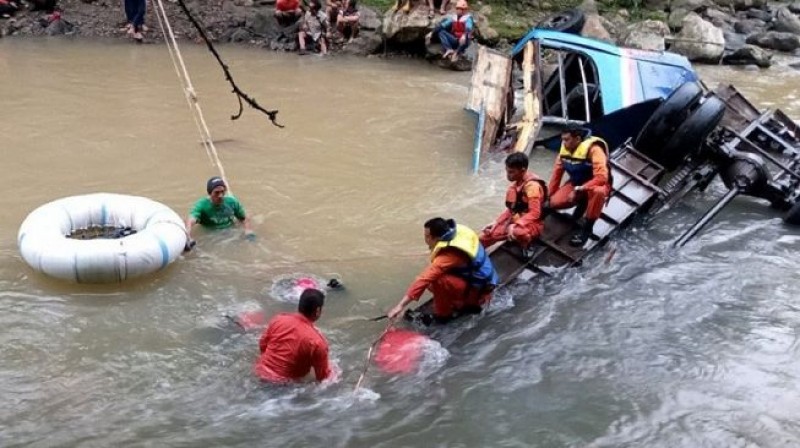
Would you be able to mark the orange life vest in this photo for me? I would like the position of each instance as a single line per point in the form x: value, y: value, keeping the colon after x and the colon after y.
x: 517, y: 200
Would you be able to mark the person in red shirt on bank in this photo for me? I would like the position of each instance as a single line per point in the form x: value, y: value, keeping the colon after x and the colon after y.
x: 461, y: 276
x: 455, y: 33
x: 287, y: 12
x: 522, y: 220
x: 291, y: 345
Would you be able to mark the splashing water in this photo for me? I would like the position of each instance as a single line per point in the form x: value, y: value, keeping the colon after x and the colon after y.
x: 406, y: 352
x: 288, y: 288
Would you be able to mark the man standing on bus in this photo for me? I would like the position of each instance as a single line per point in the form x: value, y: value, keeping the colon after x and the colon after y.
x: 585, y: 160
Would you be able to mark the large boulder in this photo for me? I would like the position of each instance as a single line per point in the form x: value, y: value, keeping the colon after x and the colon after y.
x: 721, y: 24
x: 593, y: 27
x: 741, y: 4
x: 58, y: 27
x: 615, y: 24
x: 237, y: 13
x: 786, y: 21
x: 646, y: 35
x: 365, y: 44
x: 749, y: 55
x: 734, y: 41
x: 483, y: 31
x: 760, y: 14
x: 676, y: 16
x: 405, y: 28
x: 263, y: 24
x: 719, y: 18
x: 613, y: 28
x: 285, y: 38
x: 699, y: 40
x: 690, y: 5
x: 240, y: 34
x: 749, y: 26
x: 775, y: 40
x: 368, y: 19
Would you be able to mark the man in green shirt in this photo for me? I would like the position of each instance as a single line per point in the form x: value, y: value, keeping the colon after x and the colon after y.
x: 217, y: 211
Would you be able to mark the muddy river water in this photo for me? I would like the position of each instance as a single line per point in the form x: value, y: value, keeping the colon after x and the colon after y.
x: 658, y: 348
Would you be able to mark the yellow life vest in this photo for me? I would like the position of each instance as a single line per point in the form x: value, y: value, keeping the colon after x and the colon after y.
x: 479, y: 272
x: 465, y: 240
x: 577, y: 164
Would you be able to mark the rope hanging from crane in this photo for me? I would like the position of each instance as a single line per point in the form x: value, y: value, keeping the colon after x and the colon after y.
x: 240, y: 95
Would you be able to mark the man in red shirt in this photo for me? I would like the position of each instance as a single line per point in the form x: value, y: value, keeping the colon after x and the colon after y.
x: 287, y: 12
x: 291, y: 345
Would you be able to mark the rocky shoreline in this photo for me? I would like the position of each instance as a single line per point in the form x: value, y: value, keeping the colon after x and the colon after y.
x: 739, y: 32
x: 735, y: 32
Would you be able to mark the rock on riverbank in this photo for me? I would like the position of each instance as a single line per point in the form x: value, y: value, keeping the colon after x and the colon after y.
x: 716, y: 31
x: 245, y: 21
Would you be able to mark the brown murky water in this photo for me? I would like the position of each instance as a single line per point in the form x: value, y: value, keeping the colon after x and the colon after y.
x: 696, y: 348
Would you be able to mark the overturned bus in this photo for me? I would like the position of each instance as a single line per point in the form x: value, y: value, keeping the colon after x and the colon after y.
x: 670, y: 135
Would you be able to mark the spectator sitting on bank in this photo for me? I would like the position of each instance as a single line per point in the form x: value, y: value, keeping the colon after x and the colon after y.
x: 347, y: 22
x: 432, y: 7
x: 8, y: 8
x: 332, y: 9
x: 314, y: 29
x: 287, y: 12
x: 454, y: 33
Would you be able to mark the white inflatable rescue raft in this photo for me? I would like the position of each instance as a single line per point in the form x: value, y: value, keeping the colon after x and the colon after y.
x: 101, y: 237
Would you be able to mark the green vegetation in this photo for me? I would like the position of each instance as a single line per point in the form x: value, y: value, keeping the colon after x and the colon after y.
x: 512, y: 20
x: 379, y: 5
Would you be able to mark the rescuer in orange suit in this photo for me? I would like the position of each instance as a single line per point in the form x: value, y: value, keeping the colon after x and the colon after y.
x: 522, y: 220
x: 461, y: 276
x: 585, y: 160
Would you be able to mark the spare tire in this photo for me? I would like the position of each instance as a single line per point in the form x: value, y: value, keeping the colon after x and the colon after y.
x: 667, y: 117
x: 691, y: 134
x: 569, y: 21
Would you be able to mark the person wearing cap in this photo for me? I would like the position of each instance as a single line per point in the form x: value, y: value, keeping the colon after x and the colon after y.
x: 291, y: 345
x: 217, y: 210
x: 461, y: 276
x: 585, y: 160
x: 455, y: 33
x: 522, y: 220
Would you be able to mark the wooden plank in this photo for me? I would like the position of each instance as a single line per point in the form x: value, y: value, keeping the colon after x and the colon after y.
x: 491, y: 72
x: 488, y: 90
x: 530, y: 120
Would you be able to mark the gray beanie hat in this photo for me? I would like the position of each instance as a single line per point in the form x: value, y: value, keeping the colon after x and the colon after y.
x: 215, y: 182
